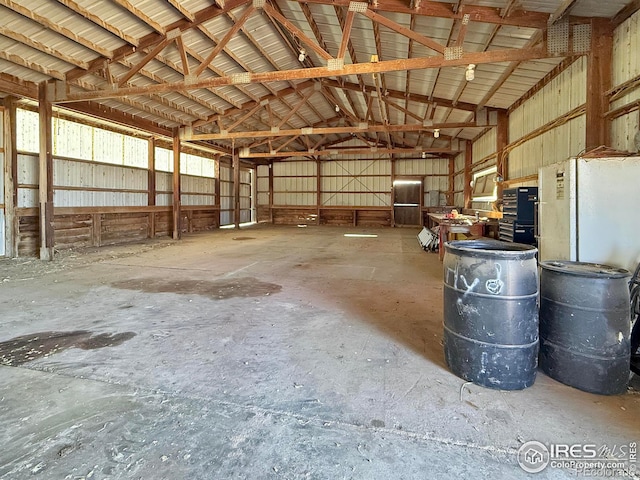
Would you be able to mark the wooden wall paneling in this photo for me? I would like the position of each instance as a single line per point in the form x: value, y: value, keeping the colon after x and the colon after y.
x: 45, y: 179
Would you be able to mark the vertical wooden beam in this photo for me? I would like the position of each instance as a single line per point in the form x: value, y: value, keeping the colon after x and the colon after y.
x: 177, y: 228
x: 216, y: 174
x: 393, y: 179
x: 467, y: 175
x: 236, y: 189
x: 502, y: 139
x: 271, y: 192
x: 10, y: 178
x: 96, y: 229
x: 599, y: 73
x: 45, y: 179
x: 318, y: 189
x: 151, y: 185
x: 451, y: 196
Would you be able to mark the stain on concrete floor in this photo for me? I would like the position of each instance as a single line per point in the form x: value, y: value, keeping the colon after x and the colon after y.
x: 23, y: 349
x: 216, y: 290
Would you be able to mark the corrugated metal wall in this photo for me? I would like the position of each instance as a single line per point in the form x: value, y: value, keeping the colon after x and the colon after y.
x: 356, y: 182
x: 563, y: 94
x: 435, y: 172
x: 626, y: 66
x: 294, y: 183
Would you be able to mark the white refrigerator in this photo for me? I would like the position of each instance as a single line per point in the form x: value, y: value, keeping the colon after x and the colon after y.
x: 589, y: 211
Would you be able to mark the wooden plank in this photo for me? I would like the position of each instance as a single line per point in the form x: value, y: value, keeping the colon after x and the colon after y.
x: 299, y: 34
x: 520, y: 18
x: 416, y: 37
x: 176, y: 187
x: 599, y: 74
x: 491, y: 56
x: 151, y: 172
x: 230, y: 33
x: 467, y: 173
x: 236, y: 190
x: 346, y: 33
x: 452, y: 179
x: 10, y: 178
x: 45, y: 178
x: 502, y: 141
x: 409, y: 127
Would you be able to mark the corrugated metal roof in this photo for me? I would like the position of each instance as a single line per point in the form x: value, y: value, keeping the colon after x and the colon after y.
x: 92, y: 44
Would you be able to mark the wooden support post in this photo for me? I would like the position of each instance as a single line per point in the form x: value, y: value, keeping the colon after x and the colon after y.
x: 502, y: 139
x: 177, y: 228
x: 451, y: 197
x: 151, y: 186
x: 393, y: 179
x: 318, y: 189
x: 216, y: 174
x: 96, y: 231
x: 45, y: 179
x: 236, y: 189
x: 271, y: 192
x: 467, y: 175
x: 599, y: 73
x: 10, y: 178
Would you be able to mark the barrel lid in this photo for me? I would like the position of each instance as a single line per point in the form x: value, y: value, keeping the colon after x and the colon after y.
x: 489, y: 247
x: 585, y: 269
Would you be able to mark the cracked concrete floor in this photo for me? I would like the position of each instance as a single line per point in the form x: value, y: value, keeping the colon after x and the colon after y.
x: 270, y: 352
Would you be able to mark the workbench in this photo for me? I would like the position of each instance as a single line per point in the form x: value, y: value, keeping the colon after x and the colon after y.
x: 454, y: 225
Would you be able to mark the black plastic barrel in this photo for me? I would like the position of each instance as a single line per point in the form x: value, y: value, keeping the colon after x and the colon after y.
x: 584, y: 325
x: 491, y: 312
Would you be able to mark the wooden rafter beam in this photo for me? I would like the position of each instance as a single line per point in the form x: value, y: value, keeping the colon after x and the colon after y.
x: 296, y: 32
x: 86, y: 13
x: 346, y: 34
x: 43, y: 47
x: 625, y: 13
x: 141, y: 15
x: 403, y: 95
x: 352, y: 151
x: 55, y: 27
x: 519, y: 18
x: 151, y: 39
x: 249, y: 105
x: 296, y: 107
x: 183, y: 11
x: 492, y: 56
x: 402, y: 109
x: 244, y: 117
x: 223, y: 43
x: 187, y: 135
x: 416, y: 37
x: 564, y: 9
x: 146, y: 59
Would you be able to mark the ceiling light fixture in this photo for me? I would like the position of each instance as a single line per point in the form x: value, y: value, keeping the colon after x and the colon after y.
x: 424, y: 154
x: 470, y: 73
x: 337, y: 108
x: 303, y: 55
x: 436, y: 133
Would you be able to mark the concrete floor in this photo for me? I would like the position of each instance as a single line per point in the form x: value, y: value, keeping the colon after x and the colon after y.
x: 269, y: 352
